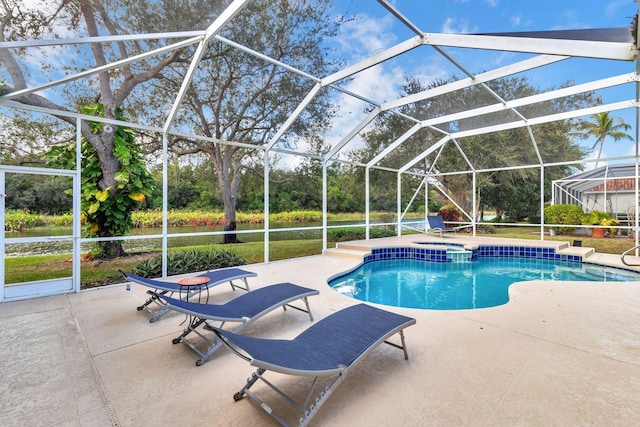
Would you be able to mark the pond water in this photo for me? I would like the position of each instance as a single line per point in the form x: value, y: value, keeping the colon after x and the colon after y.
x: 57, y: 247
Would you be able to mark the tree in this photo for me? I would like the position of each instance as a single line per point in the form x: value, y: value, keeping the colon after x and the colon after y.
x: 23, y: 139
x: 38, y: 194
x: 387, y: 128
x: 19, y: 21
x: 240, y: 98
x: 601, y: 127
x: 107, y: 212
x: 490, y: 151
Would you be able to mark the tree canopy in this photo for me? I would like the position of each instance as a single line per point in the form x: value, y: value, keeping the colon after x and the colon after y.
x: 242, y: 98
x: 504, y: 190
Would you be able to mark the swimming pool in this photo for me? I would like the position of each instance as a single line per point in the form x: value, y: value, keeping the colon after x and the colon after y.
x: 446, y: 285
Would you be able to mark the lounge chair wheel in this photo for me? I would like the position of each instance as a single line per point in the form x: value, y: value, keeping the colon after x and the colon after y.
x: 238, y: 396
x: 199, y: 362
x: 176, y: 340
x: 140, y: 308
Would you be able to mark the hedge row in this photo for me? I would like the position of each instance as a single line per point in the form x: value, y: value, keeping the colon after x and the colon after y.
x: 19, y: 221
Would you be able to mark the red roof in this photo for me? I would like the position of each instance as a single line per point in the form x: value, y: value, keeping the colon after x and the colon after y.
x: 619, y: 184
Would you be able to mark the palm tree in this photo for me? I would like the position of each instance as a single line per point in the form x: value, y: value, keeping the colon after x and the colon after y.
x: 603, y: 126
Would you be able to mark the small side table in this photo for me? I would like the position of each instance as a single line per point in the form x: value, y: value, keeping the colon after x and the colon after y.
x: 189, y: 284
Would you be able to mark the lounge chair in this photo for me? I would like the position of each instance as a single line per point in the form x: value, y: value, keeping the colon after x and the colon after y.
x: 437, y: 225
x: 161, y: 287
x: 331, y: 347
x: 244, y: 309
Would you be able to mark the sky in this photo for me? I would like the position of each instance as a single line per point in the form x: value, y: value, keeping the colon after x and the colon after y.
x: 374, y: 30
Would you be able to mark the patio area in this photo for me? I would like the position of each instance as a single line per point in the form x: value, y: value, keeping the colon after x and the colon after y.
x: 559, y: 353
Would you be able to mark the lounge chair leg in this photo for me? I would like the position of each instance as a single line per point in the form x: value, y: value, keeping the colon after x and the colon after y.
x: 255, y: 376
x: 152, y: 299
x: 212, y: 349
x: 308, y: 310
x: 189, y: 329
x: 306, y: 301
x: 246, y: 285
x: 319, y: 401
x: 158, y: 314
x: 155, y: 298
x: 404, y: 345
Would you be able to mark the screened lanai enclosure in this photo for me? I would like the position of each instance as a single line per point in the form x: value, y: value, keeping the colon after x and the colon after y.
x: 609, y: 188
x: 253, y: 88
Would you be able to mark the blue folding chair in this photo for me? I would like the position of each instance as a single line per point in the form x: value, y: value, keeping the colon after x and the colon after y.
x: 161, y: 287
x: 245, y: 309
x: 331, y: 347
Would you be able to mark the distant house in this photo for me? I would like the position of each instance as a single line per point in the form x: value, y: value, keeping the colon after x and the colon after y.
x: 611, y: 188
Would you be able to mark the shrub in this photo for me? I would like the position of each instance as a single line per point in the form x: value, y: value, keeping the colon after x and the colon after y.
x: 601, y: 218
x: 297, y: 216
x: 563, y: 214
x: 485, y: 228
x: 188, y: 262
x: 449, y: 213
x: 62, y: 220
x: 357, y: 233
x: 20, y: 221
x: 595, y: 218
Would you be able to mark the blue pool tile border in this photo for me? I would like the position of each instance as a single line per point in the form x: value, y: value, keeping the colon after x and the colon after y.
x: 489, y: 251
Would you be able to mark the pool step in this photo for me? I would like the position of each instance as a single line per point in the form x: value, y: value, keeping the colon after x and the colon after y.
x: 345, y: 253
x: 584, y: 252
x: 459, y: 255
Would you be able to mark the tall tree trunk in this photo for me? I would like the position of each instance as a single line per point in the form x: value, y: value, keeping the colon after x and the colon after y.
x: 111, y: 249
x: 599, y: 152
x: 230, y: 219
x: 229, y: 180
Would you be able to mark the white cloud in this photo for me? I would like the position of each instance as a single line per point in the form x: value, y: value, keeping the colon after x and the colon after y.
x: 492, y: 3
x: 378, y: 83
x: 503, y: 58
x: 359, y: 39
x: 366, y: 35
x: 631, y: 151
x: 457, y: 26
x: 613, y: 9
x: 591, y: 165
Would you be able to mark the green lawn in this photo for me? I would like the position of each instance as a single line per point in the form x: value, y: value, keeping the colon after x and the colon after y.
x: 608, y: 245
x: 96, y: 273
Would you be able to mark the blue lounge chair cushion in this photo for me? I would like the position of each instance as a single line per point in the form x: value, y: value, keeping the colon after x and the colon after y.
x: 436, y: 223
x: 246, y: 306
x: 327, y: 347
x: 161, y: 287
x: 243, y: 309
x: 215, y: 277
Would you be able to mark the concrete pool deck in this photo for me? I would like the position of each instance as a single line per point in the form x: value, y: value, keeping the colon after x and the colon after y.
x: 559, y: 353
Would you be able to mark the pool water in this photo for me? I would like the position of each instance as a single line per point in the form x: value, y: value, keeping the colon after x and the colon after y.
x: 455, y: 286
